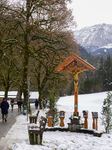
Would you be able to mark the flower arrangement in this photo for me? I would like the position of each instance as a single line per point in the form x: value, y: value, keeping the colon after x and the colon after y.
x: 74, y: 117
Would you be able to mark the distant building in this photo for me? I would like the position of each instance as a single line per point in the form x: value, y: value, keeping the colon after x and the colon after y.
x: 32, y: 96
x: 13, y: 94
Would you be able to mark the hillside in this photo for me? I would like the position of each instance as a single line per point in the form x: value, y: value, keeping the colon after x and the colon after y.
x: 95, y: 39
x: 92, y: 59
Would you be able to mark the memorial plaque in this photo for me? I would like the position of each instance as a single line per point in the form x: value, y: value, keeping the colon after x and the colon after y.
x: 84, y: 113
x: 62, y: 114
x: 95, y: 114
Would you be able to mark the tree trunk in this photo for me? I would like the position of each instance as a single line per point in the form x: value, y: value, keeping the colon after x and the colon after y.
x: 26, y: 54
x: 25, y: 85
x: 40, y: 99
x: 6, y: 93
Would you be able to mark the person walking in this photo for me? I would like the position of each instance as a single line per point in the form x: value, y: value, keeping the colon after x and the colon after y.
x: 12, y: 103
x: 36, y: 103
x: 44, y: 103
x: 19, y: 103
x: 4, y: 108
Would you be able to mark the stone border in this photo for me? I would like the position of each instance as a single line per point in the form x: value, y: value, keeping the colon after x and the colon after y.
x: 85, y: 131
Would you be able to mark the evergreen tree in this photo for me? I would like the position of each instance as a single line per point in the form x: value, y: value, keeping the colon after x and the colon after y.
x: 108, y: 74
x: 53, y: 98
x: 107, y: 113
x: 86, y: 85
x: 105, y: 73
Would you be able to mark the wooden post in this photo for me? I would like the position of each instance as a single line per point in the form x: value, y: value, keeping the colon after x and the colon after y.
x: 62, y: 122
x: 76, y: 94
x: 49, y: 121
x: 96, y: 124
x: 76, y: 103
x: 62, y: 116
x: 85, y: 115
x: 95, y: 120
x: 86, y: 123
x: 50, y: 116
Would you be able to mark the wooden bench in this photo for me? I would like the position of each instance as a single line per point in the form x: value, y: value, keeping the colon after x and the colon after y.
x: 33, y: 119
x: 36, y: 133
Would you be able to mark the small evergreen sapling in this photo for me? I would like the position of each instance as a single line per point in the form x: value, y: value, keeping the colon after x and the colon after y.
x: 53, y: 98
x: 107, y: 113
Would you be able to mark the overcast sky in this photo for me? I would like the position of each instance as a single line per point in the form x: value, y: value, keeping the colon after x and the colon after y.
x: 91, y: 12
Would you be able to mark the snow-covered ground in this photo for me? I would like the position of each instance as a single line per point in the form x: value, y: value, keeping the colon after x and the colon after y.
x: 17, y: 137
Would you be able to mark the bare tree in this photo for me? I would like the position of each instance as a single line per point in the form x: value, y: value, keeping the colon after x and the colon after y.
x: 41, y: 29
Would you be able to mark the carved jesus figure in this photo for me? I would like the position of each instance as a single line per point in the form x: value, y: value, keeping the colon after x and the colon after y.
x: 76, y: 83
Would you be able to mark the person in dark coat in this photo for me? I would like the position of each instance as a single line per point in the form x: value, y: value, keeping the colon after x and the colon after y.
x: 44, y: 103
x: 36, y: 103
x: 19, y: 103
x: 4, y: 108
x: 12, y: 103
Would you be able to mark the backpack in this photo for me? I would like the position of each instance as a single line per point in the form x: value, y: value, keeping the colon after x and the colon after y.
x: 12, y: 102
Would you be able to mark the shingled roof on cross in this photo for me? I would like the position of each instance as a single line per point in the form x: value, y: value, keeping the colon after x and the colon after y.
x: 74, y: 58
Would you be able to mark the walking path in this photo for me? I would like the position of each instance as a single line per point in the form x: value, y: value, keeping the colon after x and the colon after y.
x: 5, y: 127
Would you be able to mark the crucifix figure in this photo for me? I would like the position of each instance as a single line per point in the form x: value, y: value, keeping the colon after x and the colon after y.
x: 76, y: 84
x: 71, y: 65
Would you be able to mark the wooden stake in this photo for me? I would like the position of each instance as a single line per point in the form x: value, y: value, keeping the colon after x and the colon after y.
x: 62, y: 122
x: 49, y: 121
x: 96, y: 124
x: 86, y: 123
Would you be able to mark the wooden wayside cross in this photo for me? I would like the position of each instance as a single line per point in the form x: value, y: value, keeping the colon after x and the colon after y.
x: 75, y: 65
